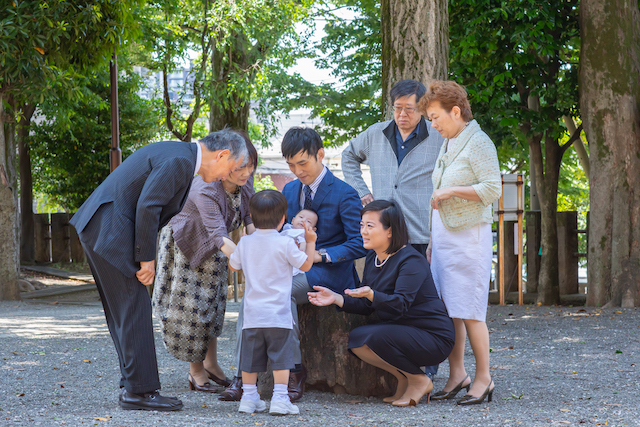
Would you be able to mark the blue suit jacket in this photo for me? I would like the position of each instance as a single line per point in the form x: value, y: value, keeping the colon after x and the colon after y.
x: 120, y: 220
x: 338, y: 206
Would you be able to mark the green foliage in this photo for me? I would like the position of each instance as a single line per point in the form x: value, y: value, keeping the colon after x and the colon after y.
x: 233, y: 42
x: 263, y: 183
x: 506, y: 51
x: 70, y: 147
x: 42, y: 42
x: 573, y: 187
x: 351, y: 49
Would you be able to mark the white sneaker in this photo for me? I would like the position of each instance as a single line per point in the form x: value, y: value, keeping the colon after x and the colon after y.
x: 250, y: 406
x: 283, y: 407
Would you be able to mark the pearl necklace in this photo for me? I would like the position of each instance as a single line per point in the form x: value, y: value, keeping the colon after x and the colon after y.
x: 386, y: 259
x: 382, y: 263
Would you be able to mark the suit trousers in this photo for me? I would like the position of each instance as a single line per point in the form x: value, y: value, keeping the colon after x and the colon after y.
x: 127, y: 307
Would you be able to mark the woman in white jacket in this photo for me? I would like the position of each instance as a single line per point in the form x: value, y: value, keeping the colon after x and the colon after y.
x: 466, y: 181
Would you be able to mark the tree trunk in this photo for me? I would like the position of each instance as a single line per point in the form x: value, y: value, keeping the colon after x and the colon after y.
x: 546, y: 176
x: 235, y: 112
x: 233, y: 116
x: 415, y: 43
x: 27, y: 237
x: 610, y: 110
x: 8, y: 208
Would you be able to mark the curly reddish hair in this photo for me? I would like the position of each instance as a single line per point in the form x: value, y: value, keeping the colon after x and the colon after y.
x: 449, y: 94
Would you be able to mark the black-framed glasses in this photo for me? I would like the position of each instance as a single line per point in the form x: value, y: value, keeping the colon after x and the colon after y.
x: 408, y: 110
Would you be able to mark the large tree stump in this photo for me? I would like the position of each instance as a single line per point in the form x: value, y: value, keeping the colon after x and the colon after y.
x: 331, y: 367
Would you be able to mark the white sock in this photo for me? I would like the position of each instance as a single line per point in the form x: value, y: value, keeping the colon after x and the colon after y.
x: 250, y: 391
x: 280, y: 392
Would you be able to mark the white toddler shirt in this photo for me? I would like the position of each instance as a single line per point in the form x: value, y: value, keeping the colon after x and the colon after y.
x: 267, y: 258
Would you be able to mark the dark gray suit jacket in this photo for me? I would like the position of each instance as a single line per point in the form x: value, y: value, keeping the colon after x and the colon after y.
x: 121, y: 219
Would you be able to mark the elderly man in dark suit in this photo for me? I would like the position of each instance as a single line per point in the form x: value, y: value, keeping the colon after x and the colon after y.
x: 118, y: 226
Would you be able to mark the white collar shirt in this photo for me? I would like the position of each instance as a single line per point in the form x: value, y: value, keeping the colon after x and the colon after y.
x: 198, y: 157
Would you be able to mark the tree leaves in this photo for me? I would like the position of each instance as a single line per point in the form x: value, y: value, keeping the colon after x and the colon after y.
x: 70, y: 146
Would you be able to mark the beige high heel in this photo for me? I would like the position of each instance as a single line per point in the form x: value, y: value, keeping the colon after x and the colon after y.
x: 414, y: 402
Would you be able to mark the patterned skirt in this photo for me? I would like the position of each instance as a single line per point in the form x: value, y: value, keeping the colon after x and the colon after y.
x: 189, y: 302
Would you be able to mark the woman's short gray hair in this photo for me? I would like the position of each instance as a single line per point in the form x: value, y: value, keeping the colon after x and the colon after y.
x: 226, y: 139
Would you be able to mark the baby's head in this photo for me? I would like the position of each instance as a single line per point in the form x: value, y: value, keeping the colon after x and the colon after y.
x: 305, y: 216
x: 268, y: 209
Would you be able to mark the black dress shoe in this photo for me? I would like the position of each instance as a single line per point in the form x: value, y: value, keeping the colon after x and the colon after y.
x: 233, y: 393
x: 296, y: 384
x: 151, y: 401
x: 122, y: 390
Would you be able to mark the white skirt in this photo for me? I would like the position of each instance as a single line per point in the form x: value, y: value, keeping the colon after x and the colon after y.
x: 461, y: 268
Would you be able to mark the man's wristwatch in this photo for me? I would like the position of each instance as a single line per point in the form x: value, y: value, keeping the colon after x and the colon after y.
x: 323, y: 254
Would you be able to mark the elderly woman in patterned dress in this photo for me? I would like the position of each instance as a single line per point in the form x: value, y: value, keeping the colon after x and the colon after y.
x: 190, y: 295
x: 466, y: 181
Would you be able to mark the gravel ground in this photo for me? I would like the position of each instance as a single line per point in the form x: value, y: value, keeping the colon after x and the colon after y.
x: 551, y: 365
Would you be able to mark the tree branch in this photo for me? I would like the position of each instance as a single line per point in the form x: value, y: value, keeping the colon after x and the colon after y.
x: 571, y: 140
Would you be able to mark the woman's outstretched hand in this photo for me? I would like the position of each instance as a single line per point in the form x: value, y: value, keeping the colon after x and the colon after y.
x: 362, y: 292
x: 324, y: 296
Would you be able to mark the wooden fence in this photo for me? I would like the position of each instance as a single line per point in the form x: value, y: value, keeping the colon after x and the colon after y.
x: 56, y: 240
x: 568, y: 253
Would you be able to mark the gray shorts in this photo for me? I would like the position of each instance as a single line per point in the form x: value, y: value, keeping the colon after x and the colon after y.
x: 262, y: 344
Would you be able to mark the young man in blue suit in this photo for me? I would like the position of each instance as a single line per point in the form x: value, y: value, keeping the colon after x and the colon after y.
x: 118, y: 227
x: 339, y: 241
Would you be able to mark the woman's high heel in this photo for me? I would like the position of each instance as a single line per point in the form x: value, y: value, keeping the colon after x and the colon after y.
x: 414, y: 402
x: 472, y: 400
x: 411, y: 402
x: 442, y: 395
x: 208, y: 387
x: 226, y: 382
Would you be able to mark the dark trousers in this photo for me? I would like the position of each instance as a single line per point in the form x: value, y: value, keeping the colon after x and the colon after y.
x: 422, y: 248
x: 127, y: 307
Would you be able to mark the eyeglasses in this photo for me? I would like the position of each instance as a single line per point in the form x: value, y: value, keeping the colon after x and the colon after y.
x: 408, y: 110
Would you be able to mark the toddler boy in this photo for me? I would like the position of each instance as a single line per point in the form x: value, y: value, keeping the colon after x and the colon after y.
x: 267, y: 258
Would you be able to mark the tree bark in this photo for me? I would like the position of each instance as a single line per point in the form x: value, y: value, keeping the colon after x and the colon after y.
x: 415, y: 43
x: 27, y: 236
x: 610, y: 110
x: 235, y: 112
x: 9, y: 248
x: 547, y: 173
x: 235, y: 118
x: 324, y: 339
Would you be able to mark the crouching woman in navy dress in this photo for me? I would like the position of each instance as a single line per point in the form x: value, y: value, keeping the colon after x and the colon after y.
x: 415, y: 329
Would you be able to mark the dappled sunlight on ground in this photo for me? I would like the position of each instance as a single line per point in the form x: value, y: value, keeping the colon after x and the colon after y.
x: 50, y: 327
